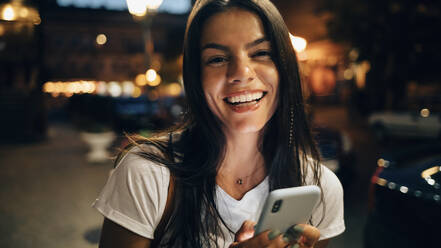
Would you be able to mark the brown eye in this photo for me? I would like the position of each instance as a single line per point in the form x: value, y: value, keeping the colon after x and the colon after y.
x: 262, y: 54
x: 216, y: 61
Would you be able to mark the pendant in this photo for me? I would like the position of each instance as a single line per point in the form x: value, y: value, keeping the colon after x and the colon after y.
x: 239, y: 181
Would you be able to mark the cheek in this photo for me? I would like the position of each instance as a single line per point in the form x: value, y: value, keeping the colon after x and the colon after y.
x: 211, y: 82
x: 270, y: 77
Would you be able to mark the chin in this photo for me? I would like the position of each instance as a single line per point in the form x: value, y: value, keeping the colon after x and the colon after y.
x: 246, y: 127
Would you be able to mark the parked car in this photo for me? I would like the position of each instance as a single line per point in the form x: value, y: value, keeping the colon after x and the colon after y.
x: 405, y: 198
x: 336, y: 152
x: 418, y: 124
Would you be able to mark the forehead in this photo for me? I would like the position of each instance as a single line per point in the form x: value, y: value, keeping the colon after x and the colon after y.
x: 235, y: 25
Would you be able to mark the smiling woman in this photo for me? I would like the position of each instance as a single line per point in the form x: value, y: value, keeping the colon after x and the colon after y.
x: 203, y: 183
x: 239, y: 77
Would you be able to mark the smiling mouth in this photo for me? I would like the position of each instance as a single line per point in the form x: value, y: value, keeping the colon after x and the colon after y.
x: 245, y: 98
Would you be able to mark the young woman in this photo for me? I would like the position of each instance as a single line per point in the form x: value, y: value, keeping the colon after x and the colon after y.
x: 245, y: 134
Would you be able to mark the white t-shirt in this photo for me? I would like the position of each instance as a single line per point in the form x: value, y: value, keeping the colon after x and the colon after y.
x: 135, y: 196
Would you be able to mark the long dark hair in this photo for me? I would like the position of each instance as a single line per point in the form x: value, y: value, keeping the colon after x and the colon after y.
x: 195, y: 157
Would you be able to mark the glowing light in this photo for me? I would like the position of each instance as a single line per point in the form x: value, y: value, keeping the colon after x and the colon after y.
x: 128, y: 88
x: 37, y: 21
x: 114, y: 89
x: 151, y: 75
x: 391, y: 185
x: 87, y: 87
x: 136, y: 92
x: 2, y: 30
x: 137, y: 7
x: 298, y: 43
x: 427, y: 173
x: 153, y: 79
x: 101, y: 39
x: 174, y: 89
x: 404, y: 189
x: 48, y: 87
x: 8, y: 13
x: 430, y: 181
x: 101, y: 88
x: 24, y: 12
x: 353, y: 55
x: 302, y: 56
x: 348, y: 74
x: 381, y: 181
x: 382, y: 163
x: 425, y: 112
x: 141, y: 80
x: 154, y: 4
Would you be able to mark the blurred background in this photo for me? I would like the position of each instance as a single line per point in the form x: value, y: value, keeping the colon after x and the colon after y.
x: 76, y: 74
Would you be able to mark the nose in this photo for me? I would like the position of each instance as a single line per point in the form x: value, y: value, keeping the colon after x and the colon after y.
x: 240, y: 70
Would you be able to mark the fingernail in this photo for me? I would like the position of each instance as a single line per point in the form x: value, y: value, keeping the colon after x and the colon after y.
x: 295, y: 246
x: 273, y: 234
x: 298, y: 228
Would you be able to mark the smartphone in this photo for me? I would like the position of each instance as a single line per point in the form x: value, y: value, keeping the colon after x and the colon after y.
x: 286, y: 207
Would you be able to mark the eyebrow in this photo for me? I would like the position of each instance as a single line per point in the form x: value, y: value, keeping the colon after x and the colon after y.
x: 225, y: 48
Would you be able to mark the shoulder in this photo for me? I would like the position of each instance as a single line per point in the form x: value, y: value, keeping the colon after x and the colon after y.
x: 133, y: 164
x: 136, y: 192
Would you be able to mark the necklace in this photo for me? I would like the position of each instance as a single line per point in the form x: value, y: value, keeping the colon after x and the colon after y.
x: 240, y: 180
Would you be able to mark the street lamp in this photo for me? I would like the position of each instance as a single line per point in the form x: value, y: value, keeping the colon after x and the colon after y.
x: 143, y: 12
x: 17, y: 11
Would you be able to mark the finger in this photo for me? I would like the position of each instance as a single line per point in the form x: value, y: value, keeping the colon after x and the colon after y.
x: 270, y: 239
x: 310, y: 235
x: 246, y: 231
x: 294, y: 233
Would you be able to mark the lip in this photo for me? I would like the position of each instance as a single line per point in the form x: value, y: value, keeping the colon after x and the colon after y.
x: 248, y: 107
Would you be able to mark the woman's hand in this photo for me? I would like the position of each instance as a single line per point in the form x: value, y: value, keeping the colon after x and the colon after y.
x: 298, y: 236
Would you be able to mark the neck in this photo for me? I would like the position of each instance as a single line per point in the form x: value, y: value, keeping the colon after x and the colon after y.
x: 243, y: 166
x: 242, y: 154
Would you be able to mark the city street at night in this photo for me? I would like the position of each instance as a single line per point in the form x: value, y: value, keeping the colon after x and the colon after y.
x: 49, y: 188
x: 241, y: 83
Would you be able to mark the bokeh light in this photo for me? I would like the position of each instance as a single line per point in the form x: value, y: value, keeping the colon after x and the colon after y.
x: 174, y: 89
x: 425, y: 112
x: 8, y: 13
x: 141, y: 80
x: 298, y: 43
x: 114, y: 89
x: 101, y: 39
x: 128, y: 88
x: 151, y: 75
x: 136, y: 92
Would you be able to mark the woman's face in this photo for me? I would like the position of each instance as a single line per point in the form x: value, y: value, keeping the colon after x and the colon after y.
x: 239, y: 77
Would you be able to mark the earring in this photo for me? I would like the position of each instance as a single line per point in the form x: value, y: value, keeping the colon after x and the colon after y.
x: 291, y: 125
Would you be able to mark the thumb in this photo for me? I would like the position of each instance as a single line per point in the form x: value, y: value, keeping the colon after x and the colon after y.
x: 246, y: 231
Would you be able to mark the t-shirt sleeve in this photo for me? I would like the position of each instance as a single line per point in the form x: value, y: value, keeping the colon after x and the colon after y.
x: 331, y: 221
x: 135, y: 195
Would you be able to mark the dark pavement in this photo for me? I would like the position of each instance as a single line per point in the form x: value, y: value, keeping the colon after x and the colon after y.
x: 47, y: 188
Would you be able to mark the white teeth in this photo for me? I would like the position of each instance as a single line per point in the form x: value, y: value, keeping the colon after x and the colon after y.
x: 245, y: 97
